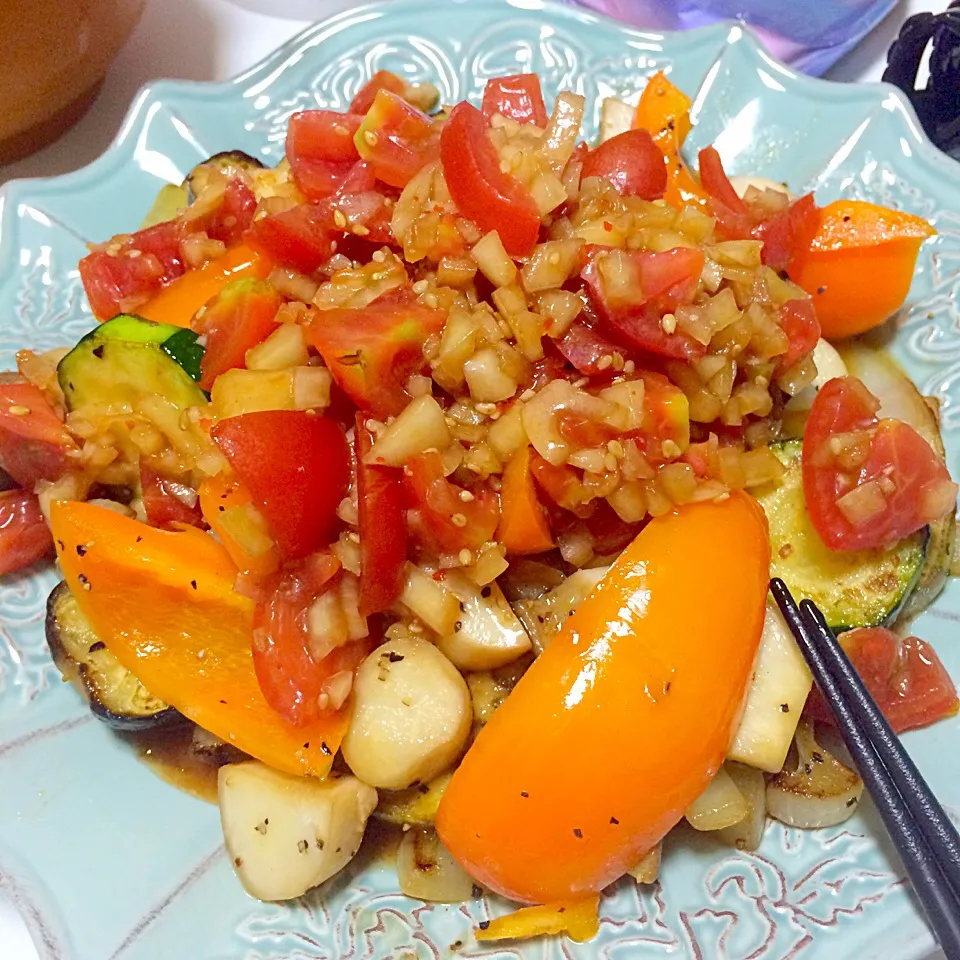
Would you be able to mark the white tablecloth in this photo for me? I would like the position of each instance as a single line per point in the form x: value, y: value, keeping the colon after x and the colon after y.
x: 215, y: 39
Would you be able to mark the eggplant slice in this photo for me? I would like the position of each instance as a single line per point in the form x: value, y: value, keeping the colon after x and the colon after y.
x: 114, y: 694
x: 229, y: 164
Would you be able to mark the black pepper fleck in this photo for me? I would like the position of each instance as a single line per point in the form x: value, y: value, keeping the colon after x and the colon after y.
x: 458, y: 626
x: 221, y: 507
x: 846, y: 217
x: 324, y: 748
x: 394, y: 657
x: 193, y: 583
x: 816, y: 757
x: 851, y: 801
x: 61, y: 545
x: 94, y: 647
x: 562, y: 910
x: 139, y: 539
x: 338, y: 849
x: 223, y: 702
x: 319, y: 844
x: 784, y: 707
x: 524, y: 794
x: 666, y: 686
x: 821, y: 290
x: 456, y: 945
x: 477, y: 891
x: 302, y: 846
x: 578, y: 833
x: 238, y: 862
x: 84, y: 582
x: 485, y: 592
x: 306, y: 746
x: 614, y: 821
x: 484, y: 924
x: 81, y: 550
x: 423, y: 788
x: 98, y: 352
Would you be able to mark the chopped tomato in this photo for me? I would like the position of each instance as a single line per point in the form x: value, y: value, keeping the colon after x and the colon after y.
x: 290, y: 674
x: 231, y: 218
x: 300, y: 237
x: 322, y: 135
x: 518, y: 97
x: 559, y: 482
x: 582, y: 431
x: 444, y: 520
x: 868, y: 483
x: 787, y: 234
x: 396, y: 139
x: 585, y: 347
x: 798, y: 320
x: 382, y: 527
x: 610, y: 533
x: 664, y: 281
x: 632, y: 162
x: 483, y: 193
x: 381, y: 80
x: 167, y: 502
x: 242, y: 315
x: 733, y: 216
x: 373, y: 351
x: 127, y: 271
x: 296, y: 466
x: 34, y: 443
x: 24, y: 535
x: 905, y: 677
x: 666, y: 416
x: 524, y: 526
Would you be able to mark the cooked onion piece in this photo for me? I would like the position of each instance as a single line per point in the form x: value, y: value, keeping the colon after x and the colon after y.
x: 720, y: 805
x: 426, y: 870
x: 747, y: 833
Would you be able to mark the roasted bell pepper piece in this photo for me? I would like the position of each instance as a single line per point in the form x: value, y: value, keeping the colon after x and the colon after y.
x: 640, y: 654
x: 524, y: 527
x: 578, y: 919
x: 178, y: 302
x: 164, y: 605
x: 860, y: 265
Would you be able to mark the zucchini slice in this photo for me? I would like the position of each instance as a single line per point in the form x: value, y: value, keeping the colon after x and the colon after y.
x: 856, y: 588
x: 113, y: 693
x: 135, y: 365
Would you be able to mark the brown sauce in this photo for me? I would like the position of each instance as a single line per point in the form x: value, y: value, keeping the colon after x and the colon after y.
x: 170, y: 755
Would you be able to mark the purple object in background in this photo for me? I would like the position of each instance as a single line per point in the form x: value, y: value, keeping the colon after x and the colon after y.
x: 810, y: 35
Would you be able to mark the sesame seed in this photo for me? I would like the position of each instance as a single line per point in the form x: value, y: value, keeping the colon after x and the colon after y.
x: 360, y: 230
x: 421, y: 286
x: 466, y: 496
x: 610, y: 462
x: 18, y: 411
x: 605, y: 362
x: 459, y: 520
x: 339, y: 219
x: 668, y: 322
x: 369, y: 137
x: 465, y: 557
x: 629, y: 366
x: 671, y: 450
x: 616, y: 448
x: 340, y: 130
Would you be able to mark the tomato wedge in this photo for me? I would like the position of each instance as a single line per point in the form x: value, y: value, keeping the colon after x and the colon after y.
x: 289, y: 671
x: 167, y: 502
x: 373, y: 351
x: 296, y: 466
x: 787, y: 234
x: 798, y: 320
x: 524, y: 527
x: 382, y: 527
x: 300, y: 237
x: 126, y: 272
x: 632, y: 162
x: 242, y: 315
x: 34, y: 443
x: 24, y: 535
x: 396, y: 139
x: 381, y: 80
x: 518, y: 97
x: 907, y: 679
x: 868, y: 483
x: 483, y: 193
x: 661, y: 282
x: 438, y: 502
x: 320, y: 150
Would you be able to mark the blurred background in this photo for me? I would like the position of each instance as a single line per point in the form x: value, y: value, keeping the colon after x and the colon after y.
x: 52, y: 55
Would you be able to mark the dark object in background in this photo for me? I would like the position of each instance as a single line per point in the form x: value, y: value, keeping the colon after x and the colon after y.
x: 938, y: 104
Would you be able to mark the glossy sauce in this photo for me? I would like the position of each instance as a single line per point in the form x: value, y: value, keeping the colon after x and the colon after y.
x: 170, y: 755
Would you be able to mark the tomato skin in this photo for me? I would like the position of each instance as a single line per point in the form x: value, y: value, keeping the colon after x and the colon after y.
x: 919, y: 489
x: 483, y: 193
x: 25, y: 537
x: 436, y: 500
x: 518, y: 97
x: 118, y: 282
x: 382, y: 527
x: 672, y: 671
x: 667, y: 280
x: 798, y: 320
x: 905, y: 677
x: 381, y: 80
x: 161, y: 504
x: 296, y: 466
x: 290, y: 677
x: 34, y: 443
x: 585, y: 346
x: 299, y: 237
x: 396, y: 139
x: 373, y: 351
x: 322, y: 135
x: 632, y: 162
x: 733, y: 216
x: 242, y: 315
x: 787, y: 234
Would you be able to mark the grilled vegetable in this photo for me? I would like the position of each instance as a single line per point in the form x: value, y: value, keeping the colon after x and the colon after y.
x: 853, y: 588
x: 720, y: 805
x: 130, y: 361
x: 426, y: 871
x: 416, y: 804
x: 776, y: 695
x: 747, y: 833
x: 544, y: 616
x: 287, y: 834
x: 228, y: 164
x: 114, y: 694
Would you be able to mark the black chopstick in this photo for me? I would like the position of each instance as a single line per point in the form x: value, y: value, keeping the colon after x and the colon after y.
x: 920, y: 829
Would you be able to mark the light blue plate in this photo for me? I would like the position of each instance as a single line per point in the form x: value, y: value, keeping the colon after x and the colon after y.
x: 106, y: 862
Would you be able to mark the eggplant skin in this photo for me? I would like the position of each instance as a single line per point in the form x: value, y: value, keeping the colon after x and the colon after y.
x: 112, y: 692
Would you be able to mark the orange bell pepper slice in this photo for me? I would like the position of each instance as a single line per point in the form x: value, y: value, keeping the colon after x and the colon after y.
x: 860, y: 265
x: 664, y: 112
x: 177, y: 302
x: 524, y: 527
x: 164, y: 605
x: 578, y: 919
x: 644, y: 684
x: 228, y: 507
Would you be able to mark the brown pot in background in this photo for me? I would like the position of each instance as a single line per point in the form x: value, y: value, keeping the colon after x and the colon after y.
x: 53, y: 56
